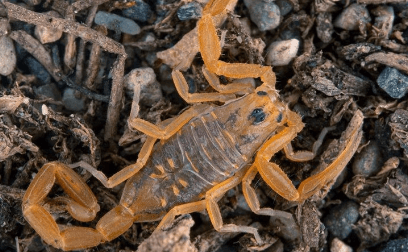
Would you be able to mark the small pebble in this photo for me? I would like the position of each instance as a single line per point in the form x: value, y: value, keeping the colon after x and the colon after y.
x: 339, y: 246
x: 384, y: 19
x: 189, y: 11
x: 165, y: 79
x: 241, y: 203
x: 36, y: 244
x: 324, y: 26
x: 284, y: 6
x: 151, y: 58
x: 145, y: 78
x: 4, y: 26
x: 48, y: 90
x: 117, y: 23
x: 400, y: 245
x: 38, y: 70
x: 280, y: 53
x: 246, y: 24
x: 340, y: 219
x: 352, y: 17
x: 139, y: 12
x: 71, y: 102
x: 8, y: 56
x: 48, y: 35
x: 369, y: 161
x: 393, y: 82
x: 264, y: 13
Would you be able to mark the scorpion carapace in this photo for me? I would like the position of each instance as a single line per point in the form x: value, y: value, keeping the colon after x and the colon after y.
x: 203, y: 153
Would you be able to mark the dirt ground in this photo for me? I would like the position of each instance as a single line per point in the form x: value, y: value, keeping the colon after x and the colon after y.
x: 68, y: 90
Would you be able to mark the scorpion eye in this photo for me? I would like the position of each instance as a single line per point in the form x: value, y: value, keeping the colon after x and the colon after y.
x: 258, y: 114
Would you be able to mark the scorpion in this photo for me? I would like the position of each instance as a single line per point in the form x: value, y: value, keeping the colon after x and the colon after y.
x: 202, y: 153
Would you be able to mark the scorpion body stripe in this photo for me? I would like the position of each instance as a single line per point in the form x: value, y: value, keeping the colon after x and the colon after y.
x: 192, y: 164
x: 202, y: 178
x: 182, y: 152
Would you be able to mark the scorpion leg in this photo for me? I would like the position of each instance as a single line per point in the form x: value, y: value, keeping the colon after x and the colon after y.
x: 301, y: 156
x: 166, y: 131
x: 210, y: 49
x: 210, y: 202
x: 214, y: 195
x: 279, y: 181
x: 314, y: 183
x: 182, y: 88
x: 81, y: 204
x: 253, y: 202
x: 182, y: 209
x: 231, y: 88
x: 126, y: 172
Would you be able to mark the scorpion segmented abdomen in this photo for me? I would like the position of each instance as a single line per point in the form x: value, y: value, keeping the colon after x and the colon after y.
x: 184, y: 167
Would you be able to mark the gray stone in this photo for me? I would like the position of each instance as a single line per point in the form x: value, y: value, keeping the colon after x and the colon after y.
x: 264, y: 13
x: 400, y: 245
x: 352, y: 17
x: 71, y: 102
x: 324, y: 26
x: 393, y: 82
x: 189, y: 11
x: 369, y: 161
x: 341, y: 218
x: 117, y: 23
x: 38, y: 70
x: 139, y: 12
x: 48, y: 90
x: 4, y: 26
x: 284, y: 6
x: 8, y: 56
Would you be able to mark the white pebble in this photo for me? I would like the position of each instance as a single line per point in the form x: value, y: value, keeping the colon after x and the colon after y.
x: 339, y: 246
x: 7, y: 56
x: 145, y: 79
x: 352, y: 17
x: 48, y: 35
x: 280, y: 53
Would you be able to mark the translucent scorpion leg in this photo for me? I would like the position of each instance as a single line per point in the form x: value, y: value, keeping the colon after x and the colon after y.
x: 182, y: 209
x: 253, y: 202
x: 230, y: 88
x: 314, y: 183
x: 126, y: 172
x: 182, y: 88
x: 215, y: 194
x: 301, y: 156
x: 81, y: 204
x: 165, y: 132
